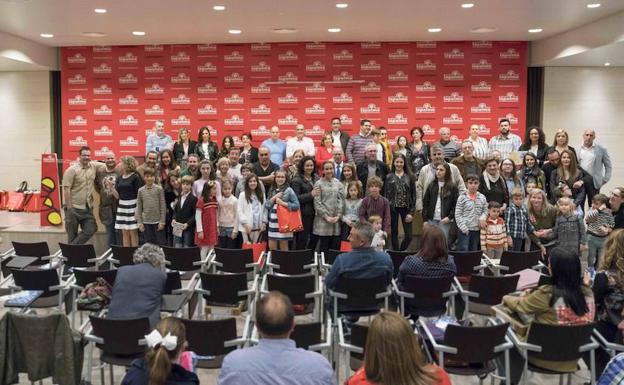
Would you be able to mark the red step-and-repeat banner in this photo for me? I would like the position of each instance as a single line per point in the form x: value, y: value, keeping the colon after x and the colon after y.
x: 113, y: 95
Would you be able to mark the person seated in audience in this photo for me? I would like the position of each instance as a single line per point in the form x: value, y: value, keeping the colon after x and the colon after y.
x: 138, y: 288
x: 431, y: 261
x: 566, y: 301
x: 393, y: 356
x: 276, y: 359
x: 161, y: 365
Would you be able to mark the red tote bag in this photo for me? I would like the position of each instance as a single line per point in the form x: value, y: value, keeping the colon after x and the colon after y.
x: 288, y: 221
x: 33, y: 202
x: 257, y: 248
x: 4, y: 200
x: 17, y: 201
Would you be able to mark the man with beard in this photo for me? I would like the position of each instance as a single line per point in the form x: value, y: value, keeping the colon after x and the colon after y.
x: 548, y: 167
x: 371, y: 166
x: 506, y: 142
x: 105, y: 182
x: 356, y: 148
x: 192, y: 167
x: 151, y: 161
x: 427, y: 175
x: 235, y: 168
x: 467, y: 163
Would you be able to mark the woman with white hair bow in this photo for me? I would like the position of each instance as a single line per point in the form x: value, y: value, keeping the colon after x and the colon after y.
x: 161, y: 365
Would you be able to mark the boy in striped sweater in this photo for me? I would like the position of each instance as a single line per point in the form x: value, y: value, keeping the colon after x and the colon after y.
x: 600, y: 223
x: 470, y: 210
x: 494, y: 237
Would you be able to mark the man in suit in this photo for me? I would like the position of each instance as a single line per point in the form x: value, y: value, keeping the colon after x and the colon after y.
x: 371, y: 166
x: 594, y: 160
x: 339, y: 137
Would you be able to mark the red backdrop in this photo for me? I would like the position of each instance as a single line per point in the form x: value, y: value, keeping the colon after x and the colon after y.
x: 112, y: 95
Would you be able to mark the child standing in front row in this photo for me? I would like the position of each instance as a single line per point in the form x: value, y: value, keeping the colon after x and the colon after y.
x: 151, y: 211
x: 206, y: 218
x: 569, y: 230
x: 351, y: 209
x: 471, y: 209
x: 227, y: 216
x: 494, y: 236
x: 518, y: 224
x: 184, y: 214
x: 600, y: 223
x: 379, y: 240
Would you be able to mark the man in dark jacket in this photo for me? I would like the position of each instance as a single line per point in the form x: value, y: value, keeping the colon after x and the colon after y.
x: 339, y: 137
x: 467, y: 163
x: 371, y: 166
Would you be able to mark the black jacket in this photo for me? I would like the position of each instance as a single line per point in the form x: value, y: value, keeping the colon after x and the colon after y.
x: 303, y: 189
x: 344, y: 140
x: 497, y: 191
x: 178, y: 150
x: 448, y: 203
x: 541, y: 152
x: 362, y: 171
x: 213, y: 151
x: 186, y: 213
x: 390, y: 188
x: 253, y: 156
x: 138, y: 374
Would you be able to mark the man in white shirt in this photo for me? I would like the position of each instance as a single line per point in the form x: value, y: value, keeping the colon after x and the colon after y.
x: 300, y: 141
x: 235, y: 166
x: 339, y: 137
x: 158, y: 140
x: 506, y: 142
x: 595, y: 161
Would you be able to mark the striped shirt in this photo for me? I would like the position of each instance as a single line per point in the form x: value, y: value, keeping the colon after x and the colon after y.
x: 596, y: 219
x: 469, y: 211
x: 495, y: 234
x: 151, y: 205
x: 505, y: 145
x: 517, y: 219
x: 356, y: 148
x: 614, y: 372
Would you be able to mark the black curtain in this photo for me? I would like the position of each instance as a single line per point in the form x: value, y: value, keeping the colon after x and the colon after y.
x: 535, y: 96
x: 55, y: 116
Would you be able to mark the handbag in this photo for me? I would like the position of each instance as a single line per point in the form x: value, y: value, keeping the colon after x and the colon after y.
x: 258, y: 247
x: 4, y: 200
x: 33, y: 202
x: 95, y: 296
x: 289, y: 221
x: 17, y: 198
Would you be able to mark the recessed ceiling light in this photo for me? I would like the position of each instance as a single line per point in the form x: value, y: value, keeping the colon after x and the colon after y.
x: 333, y: 30
x: 483, y: 29
x: 93, y: 34
x: 434, y: 30
x: 219, y: 7
x: 284, y: 31
x: 593, y: 5
x: 138, y: 33
x: 535, y: 30
x: 467, y: 5
x: 342, y: 5
x: 100, y: 10
x: 607, y: 64
x: 46, y: 35
x: 235, y: 31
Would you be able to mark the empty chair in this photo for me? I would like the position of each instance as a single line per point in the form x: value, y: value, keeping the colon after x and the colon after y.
x: 470, y: 350
x: 292, y: 262
x: 353, y: 350
x: 46, y: 280
x: 328, y: 257
x: 359, y: 296
x: 227, y: 290
x: 213, y: 338
x: 467, y: 263
x: 307, y: 334
x: 233, y: 261
x: 31, y: 249
x: 186, y: 259
x: 425, y: 296
x: 304, y: 289
x: 120, y: 342
x: 122, y: 255
x: 484, y: 292
x: 512, y: 262
x: 78, y: 255
x: 397, y: 258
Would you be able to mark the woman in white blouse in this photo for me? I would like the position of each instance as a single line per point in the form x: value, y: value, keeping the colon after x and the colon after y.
x: 480, y: 144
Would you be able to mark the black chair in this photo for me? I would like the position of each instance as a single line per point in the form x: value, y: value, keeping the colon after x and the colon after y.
x: 470, y: 350
x: 303, y: 289
x: 227, y: 290
x: 31, y: 249
x: 512, y: 262
x: 82, y: 256
x: 360, y: 296
x: 121, y: 342
x: 426, y: 297
x: 234, y: 261
x: 328, y: 257
x: 82, y: 278
x: 292, y: 262
x: 353, y: 350
x: 46, y: 280
x: 185, y: 259
x: 122, y: 255
x: 308, y: 334
x: 175, y: 296
x: 214, y: 338
x: 467, y: 264
x: 486, y: 292
x: 557, y: 343
x: 397, y: 259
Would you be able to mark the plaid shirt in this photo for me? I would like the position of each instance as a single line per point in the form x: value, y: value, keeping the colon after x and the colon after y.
x: 505, y: 145
x: 614, y: 372
x: 517, y: 220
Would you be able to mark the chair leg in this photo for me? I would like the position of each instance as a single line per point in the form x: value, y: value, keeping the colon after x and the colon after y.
x: 569, y: 378
x: 561, y: 379
x: 102, y: 373
x: 112, y: 374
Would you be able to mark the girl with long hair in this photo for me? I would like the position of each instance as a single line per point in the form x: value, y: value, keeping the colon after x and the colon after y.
x: 349, y: 174
x: 401, y: 147
x: 351, y: 213
x: 206, y: 218
x: 393, y: 356
x: 166, y: 165
x: 161, y: 365
x: 400, y: 190
x: 280, y: 194
x: 226, y: 144
x: 531, y: 172
x: 207, y: 172
x: 206, y: 148
x: 440, y: 200
x: 510, y: 176
x: 252, y: 214
x: 328, y: 204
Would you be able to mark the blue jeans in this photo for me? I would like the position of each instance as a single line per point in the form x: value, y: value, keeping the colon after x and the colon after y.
x: 469, y: 242
x: 112, y: 234
x: 187, y: 239
x: 153, y: 235
x: 445, y: 227
x: 595, y: 249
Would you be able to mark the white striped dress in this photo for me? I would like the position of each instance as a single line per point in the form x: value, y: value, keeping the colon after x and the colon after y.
x: 128, y: 188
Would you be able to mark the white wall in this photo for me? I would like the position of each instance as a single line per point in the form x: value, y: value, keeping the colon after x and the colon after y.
x: 24, y: 126
x: 577, y: 98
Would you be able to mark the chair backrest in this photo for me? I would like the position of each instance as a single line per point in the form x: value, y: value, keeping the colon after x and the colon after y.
x: 85, y: 277
x: 306, y: 334
x: 397, y: 258
x: 123, y: 254
x: 465, y: 261
x: 292, y: 261
x: 120, y: 337
x: 173, y: 282
x: 519, y: 260
x: 361, y: 292
x: 207, y: 337
x: 492, y: 289
x: 294, y: 287
x: 559, y: 342
x: 234, y: 260
x: 359, y: 333
x: 475, y: 344
x: 182, y: 258
x: 40, y: 279
x: 544, y: 280
x: 32, y: 249
x: 331, y: 255
x: 78, y: 255
x: 224, y: 287
x: 427, y: 292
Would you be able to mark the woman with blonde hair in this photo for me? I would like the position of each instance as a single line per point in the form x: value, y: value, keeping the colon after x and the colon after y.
x: 569, y: 174
x: 560, y: 143
x: 183, y: 147
x: 393, y: 356
x: 542, y: 216
x: 161, y: 365
x: 127, y: 190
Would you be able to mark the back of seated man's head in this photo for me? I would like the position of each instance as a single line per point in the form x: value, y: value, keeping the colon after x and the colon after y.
x: 275, y: 317
x: 362, y: 234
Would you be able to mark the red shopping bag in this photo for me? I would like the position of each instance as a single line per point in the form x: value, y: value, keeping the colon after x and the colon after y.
x: 4, y: 200
x: 17, y: 198
x: 257, y: 248
x: 33, y: 202
x: 288, y: 221
x: 345, y: 246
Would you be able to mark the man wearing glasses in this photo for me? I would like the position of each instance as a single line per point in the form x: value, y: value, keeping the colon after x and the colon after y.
x: 615, y: 201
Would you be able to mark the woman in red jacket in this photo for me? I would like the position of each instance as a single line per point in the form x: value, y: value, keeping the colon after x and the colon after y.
x: 325, y: 152
x: 393, y: 356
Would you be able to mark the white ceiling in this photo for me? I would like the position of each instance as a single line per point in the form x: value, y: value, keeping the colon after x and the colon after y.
x: 194, y: 21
